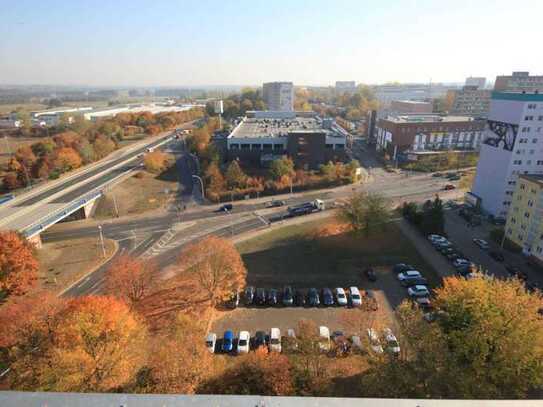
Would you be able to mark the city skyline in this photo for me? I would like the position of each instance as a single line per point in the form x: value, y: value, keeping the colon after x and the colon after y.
x: 213, y: 44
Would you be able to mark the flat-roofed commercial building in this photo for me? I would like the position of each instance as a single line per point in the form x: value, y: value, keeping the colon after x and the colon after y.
x: 430, y: 132
x: 279, y: 96
x: 410, y: 106
x: 309, y: 140
x: 519, y: 82
x: 478, y: 82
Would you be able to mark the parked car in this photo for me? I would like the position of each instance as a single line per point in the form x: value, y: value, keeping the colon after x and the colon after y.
x: 436, y: 238
x: 260, y: 296
x: 228, y: 341
x: 446, y: 250
x: 414, y: 281
x: 418, y: 291
x: 442, y: 244
x: 401, y: 267
x: 357, y: 344
x: 391, y: 342
x: 461, y: 262
x: 324, y: 339
x: 243, y: 342
x: 371, y: 301
x: 327, y: 297
x: 449, y: 187
x: 313, y: 299
x: 498, y: 256
x: 450, y: 174
x: 455, y: 254
x: 454, y: 178
x: 211, y: 341
x: 356, y: 299
x: 370, y: 274
x: 271, y: 298
x: 275, y: 340
x: 375, y: 344
x: 225, y: 208
x: 341, y: 298
x: 275, y: 203
x: 483, y: 244
x: 410, y: 274
x: 249, y: 295
x: 260, y: 339
x: 299, y: 298
x: 424, y: 303
x: 288, y: 296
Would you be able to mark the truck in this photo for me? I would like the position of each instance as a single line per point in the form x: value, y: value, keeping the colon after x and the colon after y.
x: 306, y: 207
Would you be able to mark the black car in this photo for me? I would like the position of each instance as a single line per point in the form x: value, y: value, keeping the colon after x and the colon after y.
x: 271, y: 298
x: 260, y: 297
x: 275, y: 204
x: 401, y: 267
x: 225, y: 208
x: 288, y: 296
x: 299, y: 298
x: 249, y: 295
x: 260, y: 339
x: 496, y: 255
x: 327, y: 297
x: 313, y: 299
x: 370, y: 301
x: 370, y: 274
x: 415, y: 281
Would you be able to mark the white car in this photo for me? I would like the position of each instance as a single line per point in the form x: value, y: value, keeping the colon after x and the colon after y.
x: 357, y: 344
x: 211, y: 341
x: 407, y: 275
x: 275, y: 340
x: 483, y: 244
x: 324, y: 339
x: 356, y: 298
x: 243, y: 342
x: 375, y: 344
x: 341, y: 298
x: 418, y: 291
x: 436, y: 238
x: 461, y: 262
x: 391, y: 342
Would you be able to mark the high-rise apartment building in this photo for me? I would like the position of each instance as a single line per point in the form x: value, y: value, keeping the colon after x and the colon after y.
x: 512, y: 145
x: 279, y: 96
x: 469, y: 101
x: 519, y: 82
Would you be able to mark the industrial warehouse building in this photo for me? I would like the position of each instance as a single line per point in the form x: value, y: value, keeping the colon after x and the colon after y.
x: 309, y: 140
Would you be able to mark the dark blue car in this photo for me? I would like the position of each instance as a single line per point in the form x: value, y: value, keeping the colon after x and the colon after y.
x: 228, y: 341
x: 327, y: 297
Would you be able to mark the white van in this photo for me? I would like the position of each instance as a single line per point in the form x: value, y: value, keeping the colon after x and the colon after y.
x: 324, y: 339
x: 356, y: 298
x: 275, y: 340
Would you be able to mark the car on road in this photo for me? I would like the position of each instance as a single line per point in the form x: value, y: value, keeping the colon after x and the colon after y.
x: 370, y: 274
x: 225, y: 208
x: 356, y: 298
x: 211, y: 341
x: 449, y: 187
x: 260, y: 296
x: 260, y: 339
x: 324, y: 339
x: 401, y: 267
x: 243, y: 342
x: 341, y: 298
x: 498, y: 256
x: 228, y: 341
x: 288, y: 296
x: 483, y: 244
x: 375, y: 343
x: 275, y: 340
x: 410, y: 274
x: 418, y: 291
x: 313, y: 299
x: 271, y: 297
x: 391, y: 342
x: 249, y: 295
x: 327, y: 297
x: 299, y: 298
x: 275, y: 203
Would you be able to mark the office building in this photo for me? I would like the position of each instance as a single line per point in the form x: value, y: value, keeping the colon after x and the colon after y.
x: 524, y: 225
x: 348, y: 87
x: 404, y: 134
x: 410, y: 107
x: 512, y: 146
x: 279, y: 96
x: 309, y: 140
x: 469, y: 101
x: 476, y: 81
x: 519, y: 82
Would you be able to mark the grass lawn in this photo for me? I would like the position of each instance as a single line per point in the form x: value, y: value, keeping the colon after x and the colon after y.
x: 290, y: 256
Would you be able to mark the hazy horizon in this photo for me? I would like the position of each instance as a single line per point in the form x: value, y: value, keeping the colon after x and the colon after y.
x: 208, y: 43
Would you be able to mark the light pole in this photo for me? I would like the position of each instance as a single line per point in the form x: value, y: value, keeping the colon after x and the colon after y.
x: 201, y: 184
x: 102, y: 240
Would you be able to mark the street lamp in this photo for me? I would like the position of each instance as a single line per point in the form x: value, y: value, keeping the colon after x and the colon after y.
x: 201, y: 184
x: 102, y: 240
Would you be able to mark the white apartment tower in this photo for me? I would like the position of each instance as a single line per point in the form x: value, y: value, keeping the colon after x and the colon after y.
x: 279, y: 96
x: 512, y: 145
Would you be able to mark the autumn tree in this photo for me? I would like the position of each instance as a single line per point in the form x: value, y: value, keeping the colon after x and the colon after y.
x: 157, y: 161
x: 67, y: 159
x: 235, y: 177
x: 130, y: 279
x: 91, y: 344
x: 18, y: 264
x: 216, y: 266
x: 365, y: 212
x: 11, y: 181
x: 283, y: 166
x: 214, y: 179
x: 103, y: 146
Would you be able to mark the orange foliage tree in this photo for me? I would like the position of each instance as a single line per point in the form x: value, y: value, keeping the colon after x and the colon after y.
x: 156, y: 161
x: 216, y: 266
x: 129, y: 278
x: 18, y: 264
x: 67, y: 159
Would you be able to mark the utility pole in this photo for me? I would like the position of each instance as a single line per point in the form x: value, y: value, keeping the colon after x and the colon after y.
x: 102, y: 240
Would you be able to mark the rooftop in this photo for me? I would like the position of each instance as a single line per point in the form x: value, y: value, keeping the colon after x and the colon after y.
x: 252, y: 127
x: 520, y: 96
x: 428, y: 118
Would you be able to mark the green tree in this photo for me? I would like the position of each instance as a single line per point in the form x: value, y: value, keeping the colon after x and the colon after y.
x: 365, y: 212
x: 433, y: 217
x: 281, y: 167
x: 235, y: 177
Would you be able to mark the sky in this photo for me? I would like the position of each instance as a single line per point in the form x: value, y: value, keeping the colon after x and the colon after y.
x: 313, y: 42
